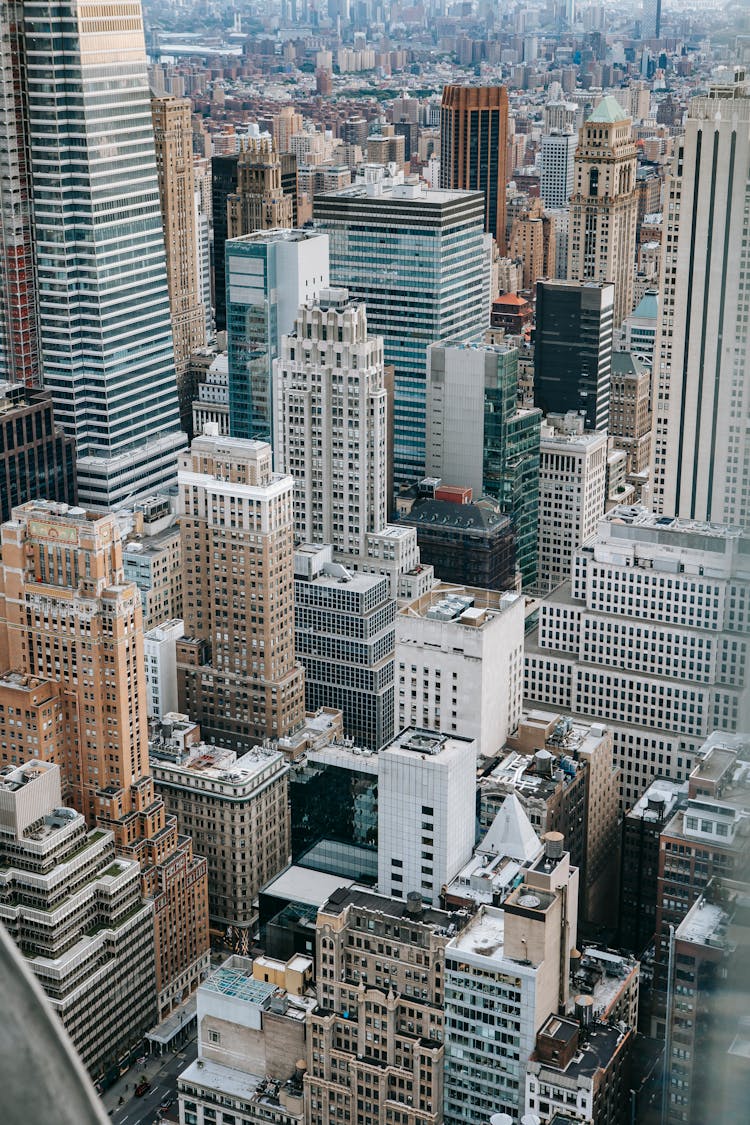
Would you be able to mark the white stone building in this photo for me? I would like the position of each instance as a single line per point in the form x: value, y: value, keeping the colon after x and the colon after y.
x: 649, y: 636
x: 572, y: 489
x: 160, y: 654
x: 556, y: 167
x: 459, y: 663
x: 426, y: 812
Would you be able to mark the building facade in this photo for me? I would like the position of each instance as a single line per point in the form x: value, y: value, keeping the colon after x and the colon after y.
x: 37, y: 457
x: 474, y: 148
x: 557, y: 168
x: 603, y: 205
x: 420, y: 263
x: 331, y: 423
x: 478, y: 437
x: 268, y: 276
x: 459, y: 659
x: 345, y: 640
x: 649, y: 637
x: 77, y: 914
x: 573, y: 349
x: 237, y: 673
x: 572, y: 490
x: 259, y: 203
x: 112, y: 376
x: 426, y: 811
x: 173, y: 138
x: 701, y: 448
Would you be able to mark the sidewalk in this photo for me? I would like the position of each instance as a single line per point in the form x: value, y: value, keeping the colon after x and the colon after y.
x: 125, y: 1086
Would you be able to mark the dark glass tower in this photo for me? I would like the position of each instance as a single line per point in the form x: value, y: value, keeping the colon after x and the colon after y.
x: 573, y: 349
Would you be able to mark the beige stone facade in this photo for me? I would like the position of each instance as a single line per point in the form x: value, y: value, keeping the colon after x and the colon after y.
x: 173, y: 137
x: 259, y: 202
x: 236, y: 668
x: 69, y: 618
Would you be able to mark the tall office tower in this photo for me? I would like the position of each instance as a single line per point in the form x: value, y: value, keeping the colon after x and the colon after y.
x: 223, y: 184
x: 345, y: 641
x: 459, y: 657
x: 426, y: 812
x: 107, y: 347
x: 290, y: 183
x: 474, y: 148
x: 510, y: 967
x: 76, y: 913
x: 649, y: 637
x: 572, y: 491
x: 642, y: 826
x: 330, y: 423
x: 477, y: 436
x: 557, y: 167
x: 651, y: 23
x: 378, y: 1027
x: 419, y: 261
x: 573, y: 349
x: 701, y: 392
x: 603, y: 206
x: 20, y: 345
x: 69, y: 619
x: 560, y: 116
x: 269, y: 274
x: 237, y: 673
x: 259, y: 202
x: 37, y: 458
x: 230, y: 805
x: 173, y: 137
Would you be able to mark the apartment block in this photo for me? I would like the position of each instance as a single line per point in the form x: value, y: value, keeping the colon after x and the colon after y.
x: 572, y: 490
x: 76, y: 912
x: 648, y: 637
x: 251, y: 1035
x: 237, y: 672
x: 426, y: 812
x: 375, y: 1043
x: 330, y: 423
x: 505, y: 973
x: 459, y: 660
x: 345, y: 641
x: 37, y: 458
x: 234, y: 806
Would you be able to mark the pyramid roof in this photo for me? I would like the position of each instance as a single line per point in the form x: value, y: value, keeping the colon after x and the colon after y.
x: 511, y: 833
x: 608, y: 111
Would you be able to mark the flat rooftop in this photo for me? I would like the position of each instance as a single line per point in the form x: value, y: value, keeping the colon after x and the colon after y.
x: 701, y: 924
x: 484, y: 936
x: 415, y: 194
x: 427, y: 743
x: 216, y: 764
x: 659, y: 800
x: 240, y: 984
x: 305, y: 885
x: 383, y: 904
x: 461, y: 605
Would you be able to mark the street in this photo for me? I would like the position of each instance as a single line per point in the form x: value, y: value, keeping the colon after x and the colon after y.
x: 161, y: 1072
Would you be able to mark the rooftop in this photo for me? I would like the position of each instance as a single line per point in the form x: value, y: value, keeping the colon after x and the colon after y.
x: 608, y: 112
x: 217, y: 764
x: 366, y: 899
x: 659, y: 800
x: 462, y: 605
x: 266, y: 237
x: 477, y: 516
x: 427, y: 744
x: 704, y: 924
x: 239, y: 983
x: 484, y: 936
x: 648, y: 306
x: 305, y: 885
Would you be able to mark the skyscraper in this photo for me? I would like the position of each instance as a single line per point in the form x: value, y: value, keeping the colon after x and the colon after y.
x: 420, y: 262
x: 603, y: 206
x: 478, y: 437
x: 474, y: 147
x: 106, y: 337
x: 701, y: 390
x: 173, y: 137
x: 37, y: 458
x: 223, y: 184
x: 269, y: 274
x: 573, y: 349
x: 20, y: 347
x: 330, y: 421
x: 236, y: 669
x: 651, y: 22
x: 557, y: 167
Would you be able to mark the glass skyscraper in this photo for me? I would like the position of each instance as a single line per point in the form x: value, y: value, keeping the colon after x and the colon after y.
x: 104, y: 317
x: 420, y: 261
x: 269, y: 274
